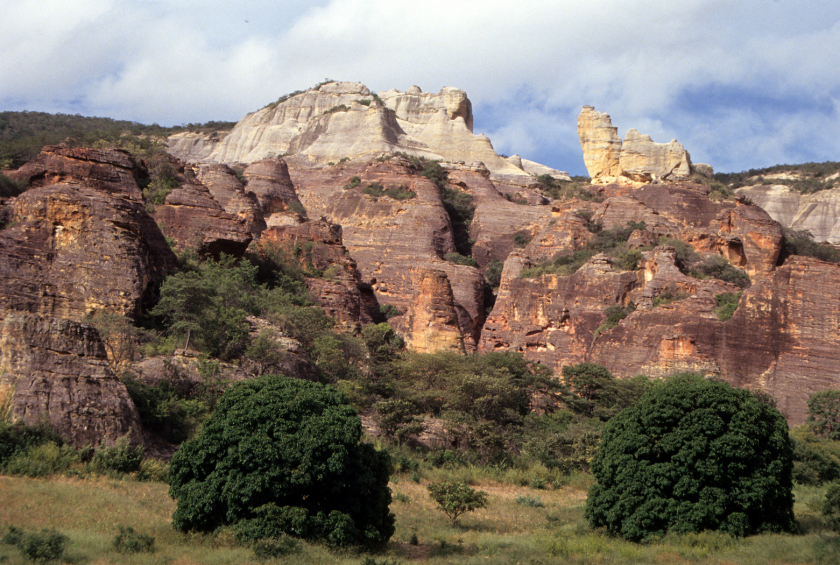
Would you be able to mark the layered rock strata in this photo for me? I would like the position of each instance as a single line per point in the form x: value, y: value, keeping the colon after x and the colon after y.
x: 431, y: 324
x: 80, y: 240
x: 56, y: 371
x: 389, y: 237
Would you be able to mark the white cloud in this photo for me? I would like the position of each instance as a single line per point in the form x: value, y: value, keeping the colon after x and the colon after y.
x: 691, y: 70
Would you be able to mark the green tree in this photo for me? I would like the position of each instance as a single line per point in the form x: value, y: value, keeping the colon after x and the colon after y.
x: 282, y: 455
x: 824, y: 413
x: 455, y: 498
x: 693, y: 455
x: 831, y: 507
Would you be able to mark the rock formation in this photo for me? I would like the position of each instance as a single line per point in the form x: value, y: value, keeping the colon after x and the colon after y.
x: 637, y: 159
x: 81, y: 240
x: 316, y: 247
x: 431, y: 324
x: 344, y: 120
x: 818, y: 212
x: 388, y: 237
x: 56, y: 370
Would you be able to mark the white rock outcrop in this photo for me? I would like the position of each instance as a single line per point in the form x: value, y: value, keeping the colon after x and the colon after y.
x: 345, y: 120
x: 818, y: 212
x: 638, y: 158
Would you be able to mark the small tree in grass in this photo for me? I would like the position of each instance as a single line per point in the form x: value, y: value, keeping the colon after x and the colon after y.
x: 455, y: 498
x: 831, y: 507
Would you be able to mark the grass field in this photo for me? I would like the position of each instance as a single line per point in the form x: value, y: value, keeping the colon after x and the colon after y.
x: 547, y: 528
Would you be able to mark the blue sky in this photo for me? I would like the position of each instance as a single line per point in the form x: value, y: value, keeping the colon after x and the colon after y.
x: 740, y: 84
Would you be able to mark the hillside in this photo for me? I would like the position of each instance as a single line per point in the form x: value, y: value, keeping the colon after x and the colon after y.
x: 419, y: 223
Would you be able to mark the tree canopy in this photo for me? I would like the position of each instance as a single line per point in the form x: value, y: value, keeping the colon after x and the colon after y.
x: 282, y: 455
x: 693, y: 455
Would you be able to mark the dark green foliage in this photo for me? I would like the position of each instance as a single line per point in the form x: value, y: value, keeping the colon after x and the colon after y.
x: 389, y: 311
x: 813, y: 464
x: 610, y: 241
x: 282, y: 455
x: 831, y: 507
x: 560, y: 440
x: 455, y: 498
x: 597, y: 393
x: 802, y: 243
x: 693, y: 455
x: 19, y: 437
x: 354, y: 182
x: 9, y: 187
x: 614, y: 314
x: 122, y: 457
x: 401, y: 192
x: 578, y: 187
x: 23, y: 134
x: 824, y: 413
x: 685, y: 252
x: 398, y: 419
x: 339, y: 108
x: 521, y: 240
x: 493, y: 274
x: 129, y: 541
x: 718, y: 267
x: 727, y: 304
x: 210, y: 305
x: 42, y: 460
x: 458, y: 259
x: 41, y: 547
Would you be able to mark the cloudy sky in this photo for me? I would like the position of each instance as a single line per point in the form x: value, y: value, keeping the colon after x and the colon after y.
x: 741, y: 84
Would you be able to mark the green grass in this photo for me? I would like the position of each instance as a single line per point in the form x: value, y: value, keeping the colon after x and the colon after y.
x: 91, y: 511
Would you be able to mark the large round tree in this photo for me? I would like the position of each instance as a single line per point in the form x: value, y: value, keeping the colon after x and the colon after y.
x: 693, y: 455
x: 283, y: 455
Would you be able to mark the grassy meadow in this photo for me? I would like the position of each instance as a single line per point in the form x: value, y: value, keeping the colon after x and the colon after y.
x: 518, y: 525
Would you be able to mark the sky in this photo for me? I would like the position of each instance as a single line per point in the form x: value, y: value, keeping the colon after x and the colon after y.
x: 741, y: 85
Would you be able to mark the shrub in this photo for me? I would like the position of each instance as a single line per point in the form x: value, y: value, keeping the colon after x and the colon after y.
x: 43, y: 546
x: 401, y: 192
x: 458, y: 259
x: 727, y: 304
x: 824, y: 413
x: 455, y: 498
x: 614, y: 314
x: 528, y: 500
x: 718, y: 267
x: 282, y: 455
x: 493, y: 274
x: 831, y: 507
x: 521, y: 240
x: 354, y: 182
x: 693, y: 455
x: 20, y: 437
x: 122, y: 457
x: 268, y: 548
x: 129, y: 541
x: 42, y: 460
x: 9, y: 187
x: 802, y: 243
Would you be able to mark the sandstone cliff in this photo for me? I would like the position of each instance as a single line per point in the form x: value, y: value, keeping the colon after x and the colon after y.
x: 344, y: 120
x: 80, y: 240
x: 637, y: 159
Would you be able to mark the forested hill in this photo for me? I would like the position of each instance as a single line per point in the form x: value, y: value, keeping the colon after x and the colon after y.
x: 23, y: 134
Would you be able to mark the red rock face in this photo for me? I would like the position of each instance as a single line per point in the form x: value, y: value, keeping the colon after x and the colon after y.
x: 270, y: 182
x: 388, y: 237
x: 317, y: 247
x: 56, y: 370
x: 83, y: 244
x: 432, y: 324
